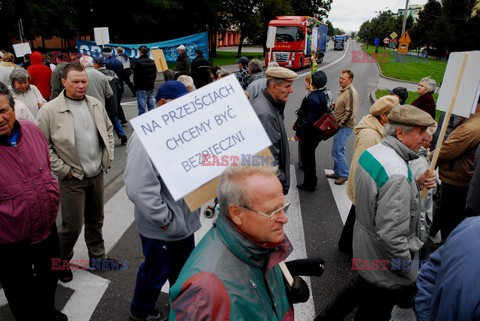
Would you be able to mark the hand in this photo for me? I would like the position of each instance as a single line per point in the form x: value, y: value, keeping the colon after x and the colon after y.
x: 295, y: 138
x: 333, y: 106
x: 165, y: 228
x: 69, y: 175
x: 427, y: 179
x: 39, y: 104
x: 298, y: 292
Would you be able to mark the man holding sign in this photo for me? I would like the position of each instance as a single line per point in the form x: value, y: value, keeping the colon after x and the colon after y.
x: 269, y: 107
x: 166, y: 226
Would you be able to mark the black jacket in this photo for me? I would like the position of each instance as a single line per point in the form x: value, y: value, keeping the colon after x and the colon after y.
x: 145, y: 73
x: 183, y: 63
x: 201, y: 71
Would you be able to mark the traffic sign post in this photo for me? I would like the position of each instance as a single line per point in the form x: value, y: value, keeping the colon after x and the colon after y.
x: 403, y: 43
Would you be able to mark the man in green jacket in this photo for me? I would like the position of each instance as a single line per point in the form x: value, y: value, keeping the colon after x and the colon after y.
x: 233, y: 273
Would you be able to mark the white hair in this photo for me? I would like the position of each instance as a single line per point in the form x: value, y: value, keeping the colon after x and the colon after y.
x: 187, y: 81
x: 86, y: 61
x: 431, y: 84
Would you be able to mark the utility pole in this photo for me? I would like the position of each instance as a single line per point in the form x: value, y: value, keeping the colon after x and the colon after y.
x: 404, y: 25
x: 20, y: 30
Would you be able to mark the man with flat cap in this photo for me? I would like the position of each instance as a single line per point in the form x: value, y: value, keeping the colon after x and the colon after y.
x: 269, y: 107
x: 387, y: 228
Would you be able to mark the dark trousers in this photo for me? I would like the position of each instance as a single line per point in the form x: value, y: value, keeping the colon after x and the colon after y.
x: 308, y: 144
x: 451, y: 207
x: 82, y: 204
x: 125, y: 78
x: 346, y: 239
x: 27, y: 278
x: 374, y: 303
x: 163, y: 261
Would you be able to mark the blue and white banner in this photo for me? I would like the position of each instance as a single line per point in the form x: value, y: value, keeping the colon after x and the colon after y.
x: 169, y: 47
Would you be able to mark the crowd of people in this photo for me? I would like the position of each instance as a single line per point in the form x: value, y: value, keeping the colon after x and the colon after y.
x: 57, y: 141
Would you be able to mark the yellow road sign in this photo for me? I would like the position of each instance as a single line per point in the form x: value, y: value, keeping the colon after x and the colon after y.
x: 405, y: 38
x: 393, y: 35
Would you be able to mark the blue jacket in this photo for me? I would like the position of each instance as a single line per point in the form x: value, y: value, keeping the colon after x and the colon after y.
x: 449, y: 283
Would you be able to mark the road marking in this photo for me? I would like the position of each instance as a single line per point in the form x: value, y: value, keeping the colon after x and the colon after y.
x: 89, y: 288
x: 340, y: 195
x: 330, y: 64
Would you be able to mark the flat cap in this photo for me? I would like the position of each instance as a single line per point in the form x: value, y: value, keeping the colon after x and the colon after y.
x: 384, y: 105
x: 401, y: 92
x: 409, y: 115
x: 280, y: 73
x: 243, y: 61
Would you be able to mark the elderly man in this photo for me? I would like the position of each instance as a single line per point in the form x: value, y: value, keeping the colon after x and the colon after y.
x: 166, y: 226
x: 28, y: 209
x: 368, y: 132
x: 387, y: 229
x: 233, y: 273
x: 345, y: 112
x: 182, y: 62
x: 80, y: 141
x: 269, y: 107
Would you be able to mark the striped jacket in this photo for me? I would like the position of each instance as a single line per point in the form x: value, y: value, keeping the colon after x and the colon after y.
x: 388, y: 214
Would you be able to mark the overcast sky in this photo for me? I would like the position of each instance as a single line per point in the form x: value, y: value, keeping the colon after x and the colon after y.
x: 350, y: 14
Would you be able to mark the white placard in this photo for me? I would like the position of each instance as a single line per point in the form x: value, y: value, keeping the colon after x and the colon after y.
x: 21, y: 49
x: 216, y: 119
x: 101, y: 36
x: 271, y: 34
x: 314, y: 39
x: 469, y: 89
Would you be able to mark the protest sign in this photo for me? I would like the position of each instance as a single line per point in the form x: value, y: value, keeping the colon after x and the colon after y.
x: 192, y: 139
x: 159, y: 59
x: 101, y: 36
x: 21, y: 49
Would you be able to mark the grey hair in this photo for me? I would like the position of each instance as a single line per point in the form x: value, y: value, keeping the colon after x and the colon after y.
x: 255, y: 66
x: 277, y: 81
x: 391, y: 129
x: 4, y: 91
x: 187, y: 81
x: 273, y: 64
x: 232, y: 189
x: 431, y: 84
x: 19, y: 74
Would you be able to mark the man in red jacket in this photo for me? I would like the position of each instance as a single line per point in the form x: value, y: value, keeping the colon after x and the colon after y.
x: 40, y: 75
x: 29, y: 199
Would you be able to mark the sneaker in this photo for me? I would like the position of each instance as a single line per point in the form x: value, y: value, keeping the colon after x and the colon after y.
x: 332, y: 175
x: 340, y: 180
x: 124, y: 139
x: 65, y: 275
x: 58, y: 316
x: 155, y: 316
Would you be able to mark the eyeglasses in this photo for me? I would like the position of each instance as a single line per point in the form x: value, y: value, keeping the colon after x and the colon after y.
x: 284, y: 208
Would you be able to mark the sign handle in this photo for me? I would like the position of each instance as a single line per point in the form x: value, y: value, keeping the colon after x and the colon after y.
x: 441, y: 137
x: 286, y: 273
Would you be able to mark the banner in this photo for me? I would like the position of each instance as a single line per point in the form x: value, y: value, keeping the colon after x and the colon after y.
x: 169, y: 47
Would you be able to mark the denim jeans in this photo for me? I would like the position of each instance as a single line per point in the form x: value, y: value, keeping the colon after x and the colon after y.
x: 340, y: 166
x: 118, y: 127
x: 145, y: 99
x: 163, y: 260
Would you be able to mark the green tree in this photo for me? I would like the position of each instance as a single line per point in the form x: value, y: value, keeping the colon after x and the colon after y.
x: 321, y: 8
x: 431, y: 29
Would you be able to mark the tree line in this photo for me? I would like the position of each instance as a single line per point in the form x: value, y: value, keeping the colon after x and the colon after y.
x: 442, y: 27
x: 144, y: 21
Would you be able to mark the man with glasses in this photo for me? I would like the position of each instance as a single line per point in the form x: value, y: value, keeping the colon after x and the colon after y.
x: 233, y: 273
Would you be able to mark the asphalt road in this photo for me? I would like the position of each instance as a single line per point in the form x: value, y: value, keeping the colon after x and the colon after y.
x: 108, y: 296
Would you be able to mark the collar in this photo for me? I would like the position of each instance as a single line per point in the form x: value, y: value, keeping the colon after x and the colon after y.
x: 18, y: 92
x: 74, y: 99
x: 12, y: 139
x: 252, y: 253
x: 403, y: 151
x: 279, y: 105
x: 346, y: 87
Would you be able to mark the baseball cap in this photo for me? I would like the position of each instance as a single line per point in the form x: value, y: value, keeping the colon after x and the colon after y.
x: 171, y: 89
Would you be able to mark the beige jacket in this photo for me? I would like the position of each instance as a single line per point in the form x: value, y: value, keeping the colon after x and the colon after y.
x: 345, y: 111
x: 368, y: 132
x: 56, y: 122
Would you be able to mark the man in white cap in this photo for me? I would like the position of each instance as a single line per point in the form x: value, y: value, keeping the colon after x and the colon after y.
x: 269, y: 107
x: 183, y: 62
x: 387, y: 230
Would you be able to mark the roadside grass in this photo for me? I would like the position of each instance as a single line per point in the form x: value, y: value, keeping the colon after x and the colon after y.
x: 412, y: 95
x: 224, y: 58
x: 230, y: 57
x: 412, y: 68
